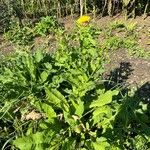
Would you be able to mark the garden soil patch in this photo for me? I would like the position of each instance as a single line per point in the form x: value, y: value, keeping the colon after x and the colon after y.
x: 129, y: 70
x: 132, y: 71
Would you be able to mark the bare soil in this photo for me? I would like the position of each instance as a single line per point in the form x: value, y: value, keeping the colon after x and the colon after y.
x: 135, y: 71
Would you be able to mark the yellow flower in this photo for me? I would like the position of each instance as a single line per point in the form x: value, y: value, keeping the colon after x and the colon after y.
x: 83, y: 19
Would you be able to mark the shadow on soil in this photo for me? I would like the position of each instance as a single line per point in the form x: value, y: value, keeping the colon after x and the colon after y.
x: 119, y: 75
x: 133, y: 118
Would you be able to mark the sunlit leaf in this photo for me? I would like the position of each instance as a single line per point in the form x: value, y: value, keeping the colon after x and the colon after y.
x: 104, y: 99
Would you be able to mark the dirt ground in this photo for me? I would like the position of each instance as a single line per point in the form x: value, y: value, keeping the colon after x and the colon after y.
x: 131, y: 70
x: 139, y: 67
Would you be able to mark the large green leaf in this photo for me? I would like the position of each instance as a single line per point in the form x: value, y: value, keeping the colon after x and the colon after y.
x: 51, y: 95
x: 50, y: 113
x: 56, y: 98
x: 28, y: 64
x: 24, y: 143
x: 104, y: 98
x: 31, y: 142
x: 102, y: 110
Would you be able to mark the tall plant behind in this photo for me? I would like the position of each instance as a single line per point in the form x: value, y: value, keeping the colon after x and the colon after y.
x: 60, y: 8
x: 4, y: 17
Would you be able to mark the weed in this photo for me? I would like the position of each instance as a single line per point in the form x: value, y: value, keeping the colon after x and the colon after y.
x: 24, y: 35
x: 117, y: 24
x: 47, y: 25
x: 19, y: 35
x: 123, y: 26
x: 122, y: 34
x: 139, y: 52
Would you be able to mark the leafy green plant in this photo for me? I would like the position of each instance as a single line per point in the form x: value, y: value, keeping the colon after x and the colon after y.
x: 113, y: 43
x: 24, y: 35
x: 122, y: 34
x: 47, y: 25
x: 64, y: 90
x: 19, y: 35
x: 128, y: 41
x: 128, y: 26
x: 139, y: 52
x: 117, y: 24
x: 24, y: 82
x: 131, y: 26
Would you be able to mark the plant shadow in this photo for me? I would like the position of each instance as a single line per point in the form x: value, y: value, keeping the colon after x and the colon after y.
x: 119, y: 76
x: 132, y: 121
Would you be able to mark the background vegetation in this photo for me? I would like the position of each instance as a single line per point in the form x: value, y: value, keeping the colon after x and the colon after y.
x: 59, y: 8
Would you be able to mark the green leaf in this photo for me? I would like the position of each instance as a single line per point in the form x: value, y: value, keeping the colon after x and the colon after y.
x: 38, y: 56
x: 28, y: 61
x: 50, y: 113
x: 68, y: 118
x: 24, y: 143
x: 74, y: 81
x: 31, y: 142
x: 101, y: 144
x: 105, y: 109
x: 55, y: 97
x: 80, y: 109
x: 104, y: 99
x: 44, y: 76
